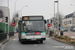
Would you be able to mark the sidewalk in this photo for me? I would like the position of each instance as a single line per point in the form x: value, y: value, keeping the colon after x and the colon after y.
x: 6, y: 40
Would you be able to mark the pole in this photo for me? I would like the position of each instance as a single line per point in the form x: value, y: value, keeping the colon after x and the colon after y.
x: 5, y: 28
x: 15, y: 6
x: 58, y: 15
x: 14, y: 12
x: 54, y: 17
x: 8, y: 16
x: 21, y: 10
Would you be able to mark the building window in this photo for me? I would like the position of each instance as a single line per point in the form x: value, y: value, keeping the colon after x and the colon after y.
x: 70, y: 21
x: 64, y: 22
x: 1, y: 14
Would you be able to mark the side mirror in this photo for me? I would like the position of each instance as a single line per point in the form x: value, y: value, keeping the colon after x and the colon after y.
x: 44, y: 21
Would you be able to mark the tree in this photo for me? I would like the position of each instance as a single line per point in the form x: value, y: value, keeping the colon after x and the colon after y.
x: 59, y: 18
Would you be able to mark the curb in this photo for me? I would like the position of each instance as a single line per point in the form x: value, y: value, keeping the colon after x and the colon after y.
x: 64, y: 42
x: 6, y: 41
x: 3, y: 43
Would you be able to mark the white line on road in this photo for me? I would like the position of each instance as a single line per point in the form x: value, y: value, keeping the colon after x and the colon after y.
x: 35, y: 45
x: 47, y: 38
x: 14, y: 39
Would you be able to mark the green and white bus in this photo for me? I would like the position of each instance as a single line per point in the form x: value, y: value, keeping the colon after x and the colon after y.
x: 32, y: 28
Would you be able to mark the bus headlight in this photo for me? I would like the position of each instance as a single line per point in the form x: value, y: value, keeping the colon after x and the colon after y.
x: 43, y: 34
x: 23, y: 35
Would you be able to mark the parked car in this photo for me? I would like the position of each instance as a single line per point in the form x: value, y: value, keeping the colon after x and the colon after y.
x: 65, y: 29
x: 72, y: 29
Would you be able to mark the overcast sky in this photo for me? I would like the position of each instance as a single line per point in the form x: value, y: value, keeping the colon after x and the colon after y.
x: 40, y: 7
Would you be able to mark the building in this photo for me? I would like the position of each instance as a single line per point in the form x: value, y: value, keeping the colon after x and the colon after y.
x: 69, y: 20
x: 4, y: 12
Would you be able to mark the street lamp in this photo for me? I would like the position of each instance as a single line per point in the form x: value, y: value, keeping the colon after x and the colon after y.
x: 74, y: 11
x: 15, y: 6
x: 22, y: 8
x: 72, y: 4
x: 8, y: 15
x: 56, y: 1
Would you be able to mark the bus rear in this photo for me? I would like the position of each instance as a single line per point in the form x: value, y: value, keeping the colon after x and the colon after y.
x: 32, y: 28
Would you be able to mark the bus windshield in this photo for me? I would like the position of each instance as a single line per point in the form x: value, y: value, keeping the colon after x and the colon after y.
x: 33, y: 26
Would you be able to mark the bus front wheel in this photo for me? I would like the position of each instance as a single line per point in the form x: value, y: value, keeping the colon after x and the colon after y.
x: 19, y: 39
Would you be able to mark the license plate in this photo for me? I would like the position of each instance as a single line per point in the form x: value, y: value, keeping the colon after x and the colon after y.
x: 33, y: 39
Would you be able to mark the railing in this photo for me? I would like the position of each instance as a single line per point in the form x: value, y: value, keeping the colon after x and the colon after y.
x: 3, y: 36
x: 11, y: 34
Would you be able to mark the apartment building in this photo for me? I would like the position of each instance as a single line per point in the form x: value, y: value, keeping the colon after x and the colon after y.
x: 69, y: 20
x: 4, y: 12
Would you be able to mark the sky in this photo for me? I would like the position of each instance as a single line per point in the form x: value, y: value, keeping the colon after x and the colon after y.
x: 40, y: 7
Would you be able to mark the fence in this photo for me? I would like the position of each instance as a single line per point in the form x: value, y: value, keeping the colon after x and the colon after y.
x: 4, y: 34
x: 11, y: 34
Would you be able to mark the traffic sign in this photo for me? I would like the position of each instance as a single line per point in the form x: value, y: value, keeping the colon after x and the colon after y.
x: 48, y: 25
x: 13, y: 24
x: 57, y: 27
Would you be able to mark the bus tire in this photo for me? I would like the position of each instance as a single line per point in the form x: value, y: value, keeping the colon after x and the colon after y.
x: 41, y: 41
x: 21, y: 41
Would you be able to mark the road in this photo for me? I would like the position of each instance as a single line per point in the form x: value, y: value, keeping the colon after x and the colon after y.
x: 49, y: 44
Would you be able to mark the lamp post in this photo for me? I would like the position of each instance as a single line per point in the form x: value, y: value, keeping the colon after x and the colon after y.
x: 8, y: 15
x: 54, y: 16
x: 73, y: 12
x: 58, y: 15
x: 15, y: 6
x: 14, y: 13
x: 22, y: 8
x: 56, y: 1
x: 72, y: 5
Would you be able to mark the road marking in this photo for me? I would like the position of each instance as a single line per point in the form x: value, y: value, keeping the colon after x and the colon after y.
x: 47, y: 38
x: 14, y: 39
x: 35, y: 45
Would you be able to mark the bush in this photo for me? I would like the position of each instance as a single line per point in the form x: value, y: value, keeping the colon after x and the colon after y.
x: 72, y: 42
x: 59, y: 37
x: 66, y: 37
x: 56, y: 36
x: 62, y: 37
x: 69, y: 39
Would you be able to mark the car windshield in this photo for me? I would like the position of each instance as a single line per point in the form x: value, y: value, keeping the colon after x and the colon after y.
x: 33, y: 26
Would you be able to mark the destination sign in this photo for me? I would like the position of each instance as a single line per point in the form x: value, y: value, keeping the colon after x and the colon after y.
x: 32, y: 18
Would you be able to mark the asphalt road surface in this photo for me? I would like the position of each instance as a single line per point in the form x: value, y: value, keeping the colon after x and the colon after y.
x: 49, y: 44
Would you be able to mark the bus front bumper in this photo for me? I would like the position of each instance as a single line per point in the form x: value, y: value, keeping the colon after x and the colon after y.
x: 33, y: 39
